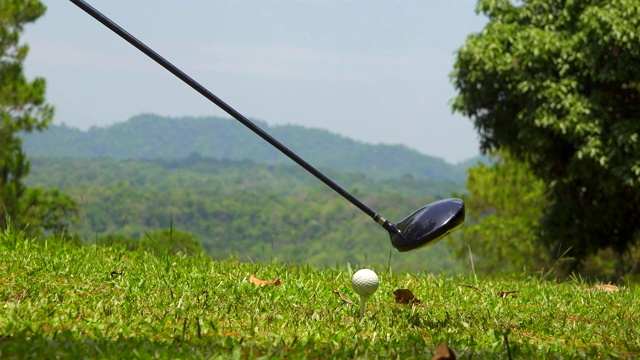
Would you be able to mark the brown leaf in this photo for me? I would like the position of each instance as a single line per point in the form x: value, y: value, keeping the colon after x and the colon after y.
x: 405, y: 296
x: 606, y: 288
x: 258, y: 282
x: 344, y: 298
x: 443, y: 353
x: 504, y: 294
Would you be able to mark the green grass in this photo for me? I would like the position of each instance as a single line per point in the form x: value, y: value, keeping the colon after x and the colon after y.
x: 67, y: 301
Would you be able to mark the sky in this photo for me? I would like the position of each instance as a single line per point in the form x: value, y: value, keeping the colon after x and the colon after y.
x: 374, y: 71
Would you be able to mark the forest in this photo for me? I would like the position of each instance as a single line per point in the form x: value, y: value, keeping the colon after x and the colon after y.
x: 255, y: 212
x: 149, y: 136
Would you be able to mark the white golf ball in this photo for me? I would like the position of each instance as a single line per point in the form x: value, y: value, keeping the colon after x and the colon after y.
x: 365, y: 282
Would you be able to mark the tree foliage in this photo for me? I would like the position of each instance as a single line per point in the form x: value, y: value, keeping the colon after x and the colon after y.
x: 252, y: 211
x: 557, y: 84
x: 151, y: 137
x: 504, y: 207
x: 23, y: 109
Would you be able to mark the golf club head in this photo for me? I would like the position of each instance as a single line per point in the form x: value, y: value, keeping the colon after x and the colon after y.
x: 428, y: 224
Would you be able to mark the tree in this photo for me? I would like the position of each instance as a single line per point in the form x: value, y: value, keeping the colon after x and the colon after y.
x: 504, y: 207
x: 556, y: 83
x: 23, y: 109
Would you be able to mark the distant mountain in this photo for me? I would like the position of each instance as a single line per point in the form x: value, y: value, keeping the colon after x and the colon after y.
x: 151, y: 136
x: 485, y: 159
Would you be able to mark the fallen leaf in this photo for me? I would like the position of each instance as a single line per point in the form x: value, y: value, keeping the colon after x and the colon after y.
x: 605, y: 288
x: 344, y: 298
x: 258, y: 282
x: 443, y: 353
x: 504, y: 294
x: 405, y: 296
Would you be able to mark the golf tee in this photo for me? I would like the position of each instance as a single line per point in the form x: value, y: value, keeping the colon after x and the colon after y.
x: 363, y: 300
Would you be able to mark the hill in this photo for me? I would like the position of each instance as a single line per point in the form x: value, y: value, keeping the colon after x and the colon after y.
x: 221, y: 183
x: 253, y: 211
x: 150, y: 136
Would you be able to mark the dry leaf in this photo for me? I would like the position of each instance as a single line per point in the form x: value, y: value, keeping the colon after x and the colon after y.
x: 443, y: 353
x: 344, y: 298
x: 259, y: 282
x: 504, y: 294
x: 405, y: 296
x: 605, y: 288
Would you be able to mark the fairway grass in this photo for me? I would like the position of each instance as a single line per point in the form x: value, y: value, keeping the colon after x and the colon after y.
x: 67, y: 301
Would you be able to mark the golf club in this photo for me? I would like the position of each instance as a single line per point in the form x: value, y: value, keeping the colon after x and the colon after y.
x: 425, y: 226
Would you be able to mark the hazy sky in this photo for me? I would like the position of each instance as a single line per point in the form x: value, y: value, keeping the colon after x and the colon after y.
x: 374, y: 71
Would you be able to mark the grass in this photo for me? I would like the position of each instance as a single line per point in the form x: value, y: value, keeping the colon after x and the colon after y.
x: 62, y: 300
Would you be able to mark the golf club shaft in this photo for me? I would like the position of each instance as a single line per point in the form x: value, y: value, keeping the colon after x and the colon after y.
x: 231, y: 111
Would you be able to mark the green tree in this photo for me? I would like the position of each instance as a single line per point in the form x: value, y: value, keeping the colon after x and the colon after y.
x: 557, y: 84
x: 504, y: 207
x: 23, y: 109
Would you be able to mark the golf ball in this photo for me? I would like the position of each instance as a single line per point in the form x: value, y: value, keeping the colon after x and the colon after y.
x: 365, y: 282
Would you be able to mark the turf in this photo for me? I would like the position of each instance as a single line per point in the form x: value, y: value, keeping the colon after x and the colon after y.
x: 60, y: 300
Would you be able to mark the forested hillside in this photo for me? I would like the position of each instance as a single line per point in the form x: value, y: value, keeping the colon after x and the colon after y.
x: 214, y: 179
x: 255, y: 211
x: 152, y: 137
